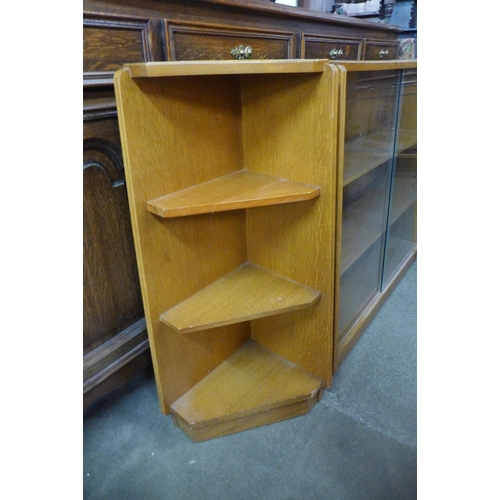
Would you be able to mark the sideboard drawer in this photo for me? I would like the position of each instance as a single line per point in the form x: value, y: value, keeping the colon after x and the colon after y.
x: 333, y: 48
x: 197, y: 42
x: 376, y: 50
x: 109, y: 42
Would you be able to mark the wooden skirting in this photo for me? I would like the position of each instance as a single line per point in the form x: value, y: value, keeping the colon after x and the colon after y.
x: 113, y: 363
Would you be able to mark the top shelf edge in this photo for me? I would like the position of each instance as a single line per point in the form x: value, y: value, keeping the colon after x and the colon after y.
x: 192, y: 68
x: 377, y: 65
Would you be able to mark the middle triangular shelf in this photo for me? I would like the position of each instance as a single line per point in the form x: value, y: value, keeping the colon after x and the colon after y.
x: 241, y: 189
x: 249, y: 292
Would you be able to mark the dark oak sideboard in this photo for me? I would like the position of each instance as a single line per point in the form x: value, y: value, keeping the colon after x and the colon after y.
x: 115, y: 341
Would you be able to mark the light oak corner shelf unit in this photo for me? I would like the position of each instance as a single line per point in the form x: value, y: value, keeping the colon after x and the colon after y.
x: 231, y: 178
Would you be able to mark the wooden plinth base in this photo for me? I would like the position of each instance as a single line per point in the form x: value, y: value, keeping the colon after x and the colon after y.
x: 253, y: 387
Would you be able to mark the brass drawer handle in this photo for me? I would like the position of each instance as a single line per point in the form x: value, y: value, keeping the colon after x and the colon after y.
x: 335, y: 53
x: 383, y: 53
x: 242, y: 52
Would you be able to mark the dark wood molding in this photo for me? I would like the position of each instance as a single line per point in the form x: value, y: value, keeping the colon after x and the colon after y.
x: 112, y: 298
x: 109, y: 357
x: 108, y: 158
x: 111, y: 362
x: 98, y: 109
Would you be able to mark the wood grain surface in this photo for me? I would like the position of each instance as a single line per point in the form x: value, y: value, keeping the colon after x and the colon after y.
x: 243, y: 189
x: 246, y: 293
x: 251, y: 383
x: 289, y: 130
x: 184, y: 68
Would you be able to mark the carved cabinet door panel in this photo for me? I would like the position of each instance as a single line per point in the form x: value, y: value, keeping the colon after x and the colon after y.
x: 112, y: 295
x: 114, y: 332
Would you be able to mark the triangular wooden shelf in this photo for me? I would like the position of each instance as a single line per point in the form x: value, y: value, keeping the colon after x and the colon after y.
x: 242, y: 189
x: 253, y: 387
x: 249, y: 292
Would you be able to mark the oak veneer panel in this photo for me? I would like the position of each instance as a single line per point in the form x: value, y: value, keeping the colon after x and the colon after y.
x: 289, y: 130
x: 244, y: 189
x: 253, y: 387
x: 179, y: 257
x: 246, y: 293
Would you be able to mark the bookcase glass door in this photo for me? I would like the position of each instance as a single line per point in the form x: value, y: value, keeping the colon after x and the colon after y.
x: 402, y: 219
x: 371, y: 108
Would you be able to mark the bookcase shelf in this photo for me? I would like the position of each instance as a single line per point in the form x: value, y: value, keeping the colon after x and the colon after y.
x: 238, y: 190
x: 249, y: 292
x: 360, y: 228
x: 364, y: 154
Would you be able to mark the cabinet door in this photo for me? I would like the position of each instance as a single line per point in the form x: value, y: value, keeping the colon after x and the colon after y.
x: 401, y: 234
x: 371, y: 111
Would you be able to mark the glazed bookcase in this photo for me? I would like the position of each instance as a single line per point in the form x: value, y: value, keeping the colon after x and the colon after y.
x: 377, y: 190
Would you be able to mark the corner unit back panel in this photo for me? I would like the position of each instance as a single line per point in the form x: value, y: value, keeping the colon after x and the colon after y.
x: 289, y: 130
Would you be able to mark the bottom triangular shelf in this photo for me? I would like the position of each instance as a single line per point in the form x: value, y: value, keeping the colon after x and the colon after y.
x: 253, y: 387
